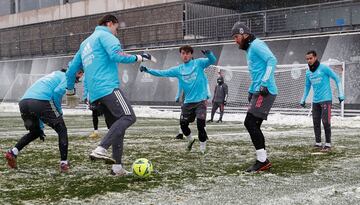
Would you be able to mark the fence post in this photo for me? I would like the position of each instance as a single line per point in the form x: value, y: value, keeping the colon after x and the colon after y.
x: 265, y: 23
x: 343, y: 89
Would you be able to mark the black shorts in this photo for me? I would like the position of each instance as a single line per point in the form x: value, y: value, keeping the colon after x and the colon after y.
x: 114, y: 106
x: 260, y: 106
x: 190, y: 111
x: 32, y: 111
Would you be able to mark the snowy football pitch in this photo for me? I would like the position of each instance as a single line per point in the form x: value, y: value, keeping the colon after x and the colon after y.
x: 299, y: 175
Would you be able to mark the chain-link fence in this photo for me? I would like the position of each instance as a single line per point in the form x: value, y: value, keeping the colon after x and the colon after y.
x: 177, y: 23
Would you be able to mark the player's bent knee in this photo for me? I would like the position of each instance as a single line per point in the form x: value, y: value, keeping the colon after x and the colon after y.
x: 130, y: 118
x: 184, y: 122
x: 201, y: 123
x: 60, y: 128
x: 247, y: 122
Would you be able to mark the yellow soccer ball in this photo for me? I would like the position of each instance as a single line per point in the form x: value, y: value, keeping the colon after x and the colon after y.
x: 142, y: 167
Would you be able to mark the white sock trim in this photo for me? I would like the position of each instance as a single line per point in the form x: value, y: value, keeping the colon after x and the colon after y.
x: 318, y: 144
x: 116, y: 167
x: 63, y: 162
x: 189, y: 137
x: 15, y: 151
x: 100, y: 149
x: 261, y: 155
x: 328, y: 144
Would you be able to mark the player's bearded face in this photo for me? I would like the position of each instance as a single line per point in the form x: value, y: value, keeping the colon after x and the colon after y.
x: 185, y: 56
x: 310, y: 59
x: 240, y: 40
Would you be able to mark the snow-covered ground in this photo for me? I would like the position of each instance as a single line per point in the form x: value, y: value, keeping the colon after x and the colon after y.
x: 298, y: 175
x: 147, y: 112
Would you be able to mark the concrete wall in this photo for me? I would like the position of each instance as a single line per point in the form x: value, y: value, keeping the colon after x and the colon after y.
x: 71, y: 10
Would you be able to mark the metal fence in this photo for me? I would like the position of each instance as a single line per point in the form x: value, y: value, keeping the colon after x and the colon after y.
x: 65, y: 36
x: 289, y: 21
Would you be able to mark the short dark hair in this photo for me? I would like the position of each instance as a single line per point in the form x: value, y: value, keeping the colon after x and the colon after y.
x: 107, y: 18
x: 311, y: 52
x: 187, y: 49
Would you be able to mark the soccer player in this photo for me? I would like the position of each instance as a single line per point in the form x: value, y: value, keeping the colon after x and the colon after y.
x: 40, y: 104
x: 318, y: 77
x: 194, y: 83
x: 95, y: 113
x: 262, y: 90
x: 219, y: 99
x: 99, y: 55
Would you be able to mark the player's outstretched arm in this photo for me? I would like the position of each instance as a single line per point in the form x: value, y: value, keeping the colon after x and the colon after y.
x: 209, y: 60
x: 171, y: 72
x: 113, y: 49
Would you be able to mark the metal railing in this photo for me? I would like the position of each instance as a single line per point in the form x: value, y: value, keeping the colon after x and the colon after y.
x: 328, y: 17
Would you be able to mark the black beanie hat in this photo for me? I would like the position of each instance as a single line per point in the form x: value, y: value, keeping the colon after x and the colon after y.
x: 240, y: 28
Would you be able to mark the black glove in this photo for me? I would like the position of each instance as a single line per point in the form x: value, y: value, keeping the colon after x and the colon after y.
x: 205, y: 52
x: 341, y: 99
x: 303, y: 104
x: 264, y: 91
x: 143, y: 69
x: 145, y: 57
x: 249, y: 97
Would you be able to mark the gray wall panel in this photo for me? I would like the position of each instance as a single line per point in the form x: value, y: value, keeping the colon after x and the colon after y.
x: 146, y: 88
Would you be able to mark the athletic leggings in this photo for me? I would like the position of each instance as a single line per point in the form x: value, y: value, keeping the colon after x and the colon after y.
x: 322, y: 112
x: 253, y: 125
x: 95, y: 119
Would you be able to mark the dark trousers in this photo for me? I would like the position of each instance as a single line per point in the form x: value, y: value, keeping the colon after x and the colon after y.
x: 322, y: 112
x: 119, y: 115
x: 215, y: 106
x: 95, y: 119
x: 253, y: 125
x: 32, y: 111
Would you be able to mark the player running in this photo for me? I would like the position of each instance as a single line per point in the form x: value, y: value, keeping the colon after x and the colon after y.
x: 318, y: 77
x: 194, y: 83
x: 262, y: 90
x: 40, y: 104
x: 100, y: 54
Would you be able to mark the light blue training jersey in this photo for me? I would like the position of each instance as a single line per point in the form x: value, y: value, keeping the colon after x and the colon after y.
x: 262, y: 64
x: 99, y: 55
x: 320, y: 82
x: 192, y: 78
x: 51, y: 87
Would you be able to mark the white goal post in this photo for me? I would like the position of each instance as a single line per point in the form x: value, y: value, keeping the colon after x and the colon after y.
x: 290, y: 80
